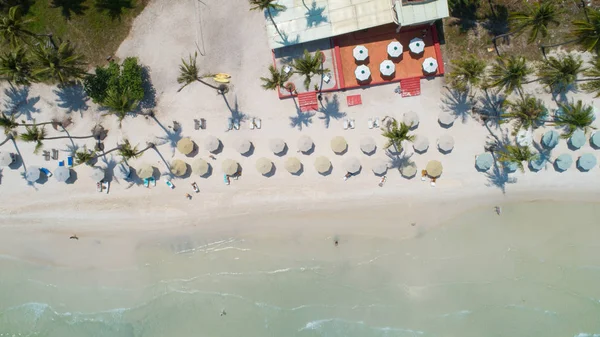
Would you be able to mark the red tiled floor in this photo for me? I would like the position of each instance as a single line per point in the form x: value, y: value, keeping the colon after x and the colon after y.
x: 376, y: 41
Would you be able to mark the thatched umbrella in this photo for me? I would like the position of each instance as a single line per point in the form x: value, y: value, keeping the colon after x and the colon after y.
x: 434, y: 168
x: 62, y: 173
x: 379, y: 166
x: 200, y: 167
x: 367, y: 145
x: 305, y: 143
x: 293, y: 165
x: 230, y: 167
x: 6, y: 158
x: 179, y: 167
x: 212, y: 143
x: 322, y: 164
x: 185, y: 146
x: 338, y: 144
x: 277, y: 145
x: 243, y: 146
x: 421, y: 144
x: 411, y: 119
x: 408, y: 171
x: 122, y: 171
x: 145, y: 171
x: 352, y: 165
x: 32, y: 174
x: 264, y: 165
x: 97, y: 174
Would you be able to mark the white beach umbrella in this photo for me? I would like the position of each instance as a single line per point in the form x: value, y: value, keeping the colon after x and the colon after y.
x: 264, y: 165
x: 409, y: 170
x: 293, y: 165
x: 305, y: 143
x: 411, y: 119
x: 32, y: 174
x: 200, y: 167
x: 367, y: 145
x: 421, y: 144
x: 277, y: 145
x: 395, y: 49
x: 322, y: 164
x: 243, y: 146
x: 97, y: 174
x: 62, y: 173
x: 379, y: 166
x: 352, y: 165
x: 360, y: 53
x: 446, y: 119
x: 416, y: 45
x: 430, y: 65
x: 362, y: 73
x: 6, y: 158
x: 122, y: 171
x: 211, y: 143
x: 387, y: 68
x: 446, y: 143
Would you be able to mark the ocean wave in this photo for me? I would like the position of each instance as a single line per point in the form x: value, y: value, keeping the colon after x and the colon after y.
x: 587, y: 335
x: 522, y: 307
x: 321, y: 323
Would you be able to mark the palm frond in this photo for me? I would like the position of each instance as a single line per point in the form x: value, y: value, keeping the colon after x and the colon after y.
x: 588, y: 33
x: 537, y: 18
x: 466, y: 72
x: 573, y: 116
x: 558, y: 73
x: 509, y: 74
x: 527, y: 112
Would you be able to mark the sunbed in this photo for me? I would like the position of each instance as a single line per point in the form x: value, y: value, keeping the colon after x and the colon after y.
x: 70, y: 161
x: 169, y: 183
x: 46, y: 171
x: 146, y: 182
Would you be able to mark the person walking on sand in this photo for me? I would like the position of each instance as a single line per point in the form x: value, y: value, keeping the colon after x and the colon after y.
x: 382, y: 181
x: 187, y: 195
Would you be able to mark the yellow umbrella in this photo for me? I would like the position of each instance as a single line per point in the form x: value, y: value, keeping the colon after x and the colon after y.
x: 434, y: 168
x: 264, y: 165
x: 230, y: 167
x: 185, y: 146
x: 145, y: 171
x: 178, y: 167
x: 322, y: 164
x: 338, y: 144
x: 200, y: 167
x: 293, y: 165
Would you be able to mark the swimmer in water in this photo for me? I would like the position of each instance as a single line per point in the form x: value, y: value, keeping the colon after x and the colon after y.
x: 498, y: 210
x: 336, y: 242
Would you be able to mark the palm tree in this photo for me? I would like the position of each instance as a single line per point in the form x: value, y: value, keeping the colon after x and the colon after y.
x: 8, y: 123
x: 37, y: 135
x: 593, y: 82
x: 12, y: 27
x: 466, y: 72
x: 58, y: 65
x: 84, y: 156
x: 560, y: 73
x: 268, y: 6
x: 309, y: 65
x: 396, y: 134
x: 16, y: 67
x: 537, y: 17
x: 120, y: 103
x: 509, y: 74
x: 127, y: 151
x: 277, y: 79
x: 588, y: 33
x: 527, y: 112
x: 189, y: 73
x: 573, y: 116
x: 517, y: 154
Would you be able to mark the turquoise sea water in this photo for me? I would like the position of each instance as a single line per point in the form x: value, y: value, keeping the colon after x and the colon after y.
x: 533, y: 271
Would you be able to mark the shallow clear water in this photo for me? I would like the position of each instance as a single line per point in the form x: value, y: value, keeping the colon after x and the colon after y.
x: 533, y: 271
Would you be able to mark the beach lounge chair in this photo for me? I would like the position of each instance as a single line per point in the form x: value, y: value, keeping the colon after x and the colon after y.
x: 229, y: 124
x: 202, y: 123
x: 226, y: 179
x: 146, y: 182
x: 287, y: 69
x: 326, y: 78
x: 376, y: 122
x: 252, y: 124
x: 70, y: 161
x: 195, y: 187
x: 152, y: 181
x: 98, y: 187
x: 169, y: 183
x: 196, y: 124
x: 55, y: 154
x: 351, y: 124
x: 106, y: 185
x: 61, y: 163
x: 257, y: 123
x: 46, y: 171
x: 46, y: 155
x: 370, y: 123
x: 236, y: 124
x: 345, y: 124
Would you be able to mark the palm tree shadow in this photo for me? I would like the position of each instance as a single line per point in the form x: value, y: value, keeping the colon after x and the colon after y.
x: 498, y: 177
x: 545, y: 154
x: 69, y: 7
x: 331, y: 109
x: 458, y: 103
x: 491, y: 108
x: 114, y: 8
x: 72, y: 97
x: 18, y: 104
x: 236, y: 115
x: 301, y: 119
x: 285, y: 39
x: 149, y: 100
x: 171, y: 137
x: 170, y: 173
x: 398, y: 159
x: 109, y: 168
x: 314, y: 15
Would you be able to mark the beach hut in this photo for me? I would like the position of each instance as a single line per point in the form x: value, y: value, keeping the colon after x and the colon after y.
x: 122, y: 171
x: 550, y: 139
x: 32, y: 174
x: 185, y: 146
x: 360, y: 53
x: 305, y: 144
x: 62, y: 174
x: 430, y: 65
x: 352, y: 165
x: 179, y: 167
x: 563, y: 162
x: 395, y: 49
x: 230, y: 167
x: 484, y: 161
x: 243, y: 146
x: 97, y: 174
x: 409, y: 170
x: 577, y: 139
x: 445, y: 143
x: 446, y: 119
x: 277, y: 145
x: 338, y: 144
x: 212, y: 143
x: 293, y: 165
x: 434, y: 168
x: 200, y: 167
x: 595, y: 140
x: 322, y: 164
x: 586, y: 162
x: 411, y: 119
x: 6, y: 158
x: 367, y: 145
x: 362, y: 73
x: 379, y: 166
x: 421, y: 144
x: 416, y: 45
x: 145, y: 171
x: 387, y: 68
x: 264, y: 165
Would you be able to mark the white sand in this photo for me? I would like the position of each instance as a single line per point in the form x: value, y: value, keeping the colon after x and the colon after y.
x: 231, y: 39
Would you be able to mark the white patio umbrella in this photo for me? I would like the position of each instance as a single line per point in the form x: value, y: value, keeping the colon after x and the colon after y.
x: 430, y: 65
x: 445, y: 143
x: 421, y: 144
x: 97, y: 174
x: 6, y: 158
x: 446, y: 119
x: 362, y: 73
x: 212, y: 143
x: 411, y: 119
x: 243, y: 146
x: 352, y: 165
x: 122, y: 171
x: 360, y: 53
x: 367, y: 145
x: 416, y: 45
x: 305, y: 143
x: 379, y: 166
x: 395, y: 49
x: 32, y: 174
x: 62, y: 173
x: 277, y: 145
x: 387, y: 68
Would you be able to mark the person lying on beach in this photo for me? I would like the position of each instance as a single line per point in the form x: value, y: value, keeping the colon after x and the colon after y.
x: 187, y: 195
x: 382, y: 181
x: 73, y: 237
x: 423, y: 175
x: 348, y: 175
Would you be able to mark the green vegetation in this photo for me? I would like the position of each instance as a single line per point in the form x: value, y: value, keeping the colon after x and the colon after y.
x: 559, y: 73
x: 509, y: 74
x: 588, y: 33
x: 58, y: 65
x: 593, y: 84
x: 309, y: 65
x: 84, y: 156
x: 573, y: 116
x: 537, y: 18
x: 396, y: 134
x: 277, y: 78
x: 527, y: 112
x: 269, y: 6
x: 517, y: 154
x: 128, y: 151
x: 466, y: 73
